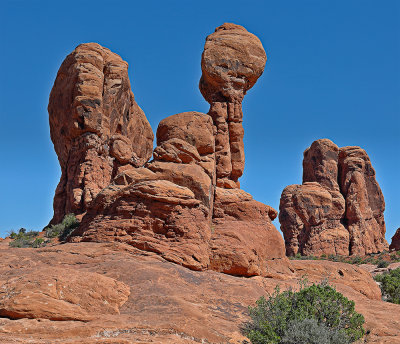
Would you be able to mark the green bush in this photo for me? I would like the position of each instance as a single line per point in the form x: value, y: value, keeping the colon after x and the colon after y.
x: 26, y: 238
x: 64, y: 229
x: 383, y: 264
x: 390, y: 285
x: 311, y: 332
x: 273, y: 319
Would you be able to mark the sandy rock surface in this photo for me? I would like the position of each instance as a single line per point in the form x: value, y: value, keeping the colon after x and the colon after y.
x: 167, y: 302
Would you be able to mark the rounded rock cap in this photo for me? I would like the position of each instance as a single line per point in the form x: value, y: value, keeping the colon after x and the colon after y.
x: 232, y: 61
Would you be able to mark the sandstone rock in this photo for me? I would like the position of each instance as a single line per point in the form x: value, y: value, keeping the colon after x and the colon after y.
x: 310, y: 221
x: 395, y: 245
x: 232, y: 61
x: 243, y: 239
x: 193, y: 127
x: 152, y: 215
x: 171, y: 304
x: 364, y: 202
x: 166, y: 205
x: 57, y: 294
x: 95, y: 125
x: 339, y: 207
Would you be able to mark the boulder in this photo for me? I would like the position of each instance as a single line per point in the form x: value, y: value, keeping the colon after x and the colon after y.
x: 152, y: 215
x: 339, y: 207
x: 244, y: 241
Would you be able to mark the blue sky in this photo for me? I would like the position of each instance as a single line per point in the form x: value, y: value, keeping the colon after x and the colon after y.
x: 332, y: 72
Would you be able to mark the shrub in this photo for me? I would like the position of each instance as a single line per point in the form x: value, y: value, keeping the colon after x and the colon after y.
x: 334, y: 315
x: 390, y: 285
x: 311, y: 332
x: 64, y: 229
x: 356, y: 260
x: 383, y: 264
x: 26, y: 238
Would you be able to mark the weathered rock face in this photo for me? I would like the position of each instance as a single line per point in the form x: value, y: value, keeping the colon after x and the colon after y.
x: 395, y: 245
x: 177, y: 205
x: 339, y: 207
x: 95, y: 125
x: 244, y: 241
x: 61, y: 295
x: 364, y: 201
x: 232, y: 61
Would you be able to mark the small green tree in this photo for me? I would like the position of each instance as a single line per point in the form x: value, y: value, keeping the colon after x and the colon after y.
x: 333, y: 314
x: 390, y: 285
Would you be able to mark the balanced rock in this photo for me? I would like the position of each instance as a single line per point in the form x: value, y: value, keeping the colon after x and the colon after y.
x: 95, y: 125
x: 232, y: 61
x: 185, y: 205
x: 395, y: 245
x: 339, y: 207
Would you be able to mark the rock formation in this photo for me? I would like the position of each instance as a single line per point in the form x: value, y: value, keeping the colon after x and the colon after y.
x: 339, y: 207
x: 232, y: 61
x: 395, y: 245
x: 95, y: 125
x: 185, y: 204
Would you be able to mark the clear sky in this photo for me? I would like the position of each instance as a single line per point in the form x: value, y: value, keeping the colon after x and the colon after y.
x: 332, y: 72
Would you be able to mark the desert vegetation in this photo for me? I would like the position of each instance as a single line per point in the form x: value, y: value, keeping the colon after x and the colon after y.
x: 24, y: 238
x: 316, y: 313
x: 63, y: 229
x: 382, y: 259
x: 389, y: 283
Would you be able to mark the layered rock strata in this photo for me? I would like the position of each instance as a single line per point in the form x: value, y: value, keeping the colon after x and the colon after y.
x: 185, y: 204
x: 95, y: 124
x: 339, y: 207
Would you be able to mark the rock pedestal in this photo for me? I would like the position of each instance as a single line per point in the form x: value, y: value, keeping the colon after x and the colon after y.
x: 232, y: 61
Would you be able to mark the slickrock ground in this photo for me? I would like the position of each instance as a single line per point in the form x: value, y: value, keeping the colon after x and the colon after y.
x: 339, y: 207
x: 147, y: 299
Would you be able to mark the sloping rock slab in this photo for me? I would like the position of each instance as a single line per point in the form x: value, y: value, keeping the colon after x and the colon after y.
x: 61, y: 294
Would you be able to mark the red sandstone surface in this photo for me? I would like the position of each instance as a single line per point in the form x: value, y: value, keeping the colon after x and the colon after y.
x: 115, y: 293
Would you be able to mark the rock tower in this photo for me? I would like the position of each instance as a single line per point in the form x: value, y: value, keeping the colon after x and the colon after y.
x: 339, y: 207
